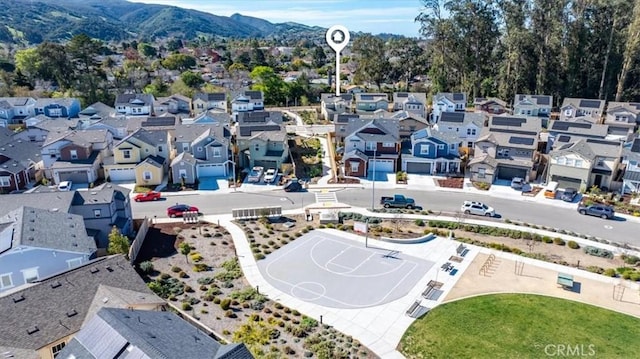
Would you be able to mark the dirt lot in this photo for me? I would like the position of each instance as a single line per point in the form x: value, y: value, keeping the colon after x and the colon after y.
x: 452, y: 182
x: 208, y: 285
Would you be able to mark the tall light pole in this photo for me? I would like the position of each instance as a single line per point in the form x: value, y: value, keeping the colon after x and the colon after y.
x: 373, y: 184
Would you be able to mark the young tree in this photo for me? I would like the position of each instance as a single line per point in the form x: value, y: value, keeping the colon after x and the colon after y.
x: 118, y: 243
x: 185, y: 249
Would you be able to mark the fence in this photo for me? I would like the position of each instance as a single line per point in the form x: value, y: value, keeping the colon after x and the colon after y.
x: 255, y: 213
x: 139, y: 240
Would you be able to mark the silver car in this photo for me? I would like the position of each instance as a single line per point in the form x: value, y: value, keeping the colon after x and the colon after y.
x: 477, y: 208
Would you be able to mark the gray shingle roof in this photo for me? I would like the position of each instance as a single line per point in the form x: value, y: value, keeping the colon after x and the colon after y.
x: 148, y: 334
x: 388, y: 129
x: 42, y: 228
x: 138, y: 99
x: 60, y: 200
x: 152, y: 138
x: 45, y: 309
x: 21, y: 153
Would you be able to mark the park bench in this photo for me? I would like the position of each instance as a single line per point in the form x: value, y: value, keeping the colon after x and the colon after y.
x: 565, y: 280
x: 413, y: 309
x: 462, y: 250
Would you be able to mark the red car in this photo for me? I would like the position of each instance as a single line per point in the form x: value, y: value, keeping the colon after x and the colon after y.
x: 149, y: 196
x: 179, y: 209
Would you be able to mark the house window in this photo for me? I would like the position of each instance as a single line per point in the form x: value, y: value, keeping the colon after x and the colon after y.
x: 5, y: 181
x: 570, y: 162
x: 75, y: 262
x: 471, y: 131
x: 126, y: 154
x: 567, y: 112
x: 56, y: 349
x: 74, y: 154
x: 600, y: 163
x: 256, y: 147
x: 30, y: 274
x: 503, y: 152
x: 5, y: 281
x: 217, y: 152
x: 32, y: 138
x: 452, y: 147
x: 185, y: 147
x: 355, y: 166
x: 97, y: 213
x: 371, y: 146
x: 424, y: 149
x: 159, y: 148
x: 388, y: 144
x: 441, y: 147
x: 147, y: 176
x: 578, y: 163
x: 182, y: 173
x: 199, y: 149
x: 481, y: 172
x: 562, y: 160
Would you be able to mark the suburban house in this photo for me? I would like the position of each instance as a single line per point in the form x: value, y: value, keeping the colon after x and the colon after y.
x: 201, y: 150
x: 354, y: 89
x: 140, y: 157
x: 116, y: 125
x: 575, y: 108
x: 14, y: 110
x: 409, y: 123
x: 209, y: 117
x: 261, y: 139
x: 370, y: 102
x: 76, y: 155
x: 36, y: 243
x: 631, y: 162
x: 57, y: 107
x: 166, y: 123
x: 623, y: 118
x: 465, y: 125
x: 507, y: 148
x: 370, y: 141
x: 248, y: 101
x: 447, y: 102
x: 135, y: 104
x: 95, y: 113
x: 432, y: 152
x: 585, y: 163
x: 40, y: 319
x: 411, y: 102
x: 146, y: 334
x: 562, y: 132
x: 332, y: 105
x: 490, y: 105
x: 173, y: 104
x: 20, y: 162
x: 532, y: 105
x: 341, y: 123
x: 203, y: 102
x: 102, y: 207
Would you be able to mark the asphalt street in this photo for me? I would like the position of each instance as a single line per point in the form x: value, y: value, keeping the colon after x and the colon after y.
x: 618, y: 230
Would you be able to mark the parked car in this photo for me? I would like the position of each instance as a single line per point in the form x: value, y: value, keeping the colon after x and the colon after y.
x: 149, y: 196
x: 255, y: 174
x: 65, y: 186
x: 179, y: 209
x: 477, y: 208
x: 397, y: 201
x: 599, y: 210
x: 270, y: 175
x: 517, y: 183
x: 569, y: 194
x: 293, y: 185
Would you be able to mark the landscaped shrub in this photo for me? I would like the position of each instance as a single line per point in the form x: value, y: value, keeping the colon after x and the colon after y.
x: 610, y: 272
x: 176, y: 269
x: 230, y: 314
x: 196, y: 257
x: 259, y: 256
x: 547, y: 239
x: 559, y: 241
x: 598, y: 252
x: 630, y: 259
x: 183, y: 274
x: 231, y: 270
x: 146, y: 267
x: 573, y: 245
x: 200, y: 267
x: 205, y: 280
x: 217, y: 300
x: 225, y: 303
x: 635, y: 276
x: 308, y: 324
x: 186, y: 306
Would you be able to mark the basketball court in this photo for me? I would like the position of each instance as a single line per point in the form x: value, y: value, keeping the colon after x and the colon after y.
x: 338, y: 272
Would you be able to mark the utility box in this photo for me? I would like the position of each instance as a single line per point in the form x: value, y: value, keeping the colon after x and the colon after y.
x: 327, y: 217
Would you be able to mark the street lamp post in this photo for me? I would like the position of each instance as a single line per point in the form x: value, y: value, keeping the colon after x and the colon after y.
x: 373, y: 184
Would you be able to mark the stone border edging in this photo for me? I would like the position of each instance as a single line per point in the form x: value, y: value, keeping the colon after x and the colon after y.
x: 423, y: 239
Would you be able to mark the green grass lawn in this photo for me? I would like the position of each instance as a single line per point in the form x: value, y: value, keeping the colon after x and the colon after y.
x: 521, y: 326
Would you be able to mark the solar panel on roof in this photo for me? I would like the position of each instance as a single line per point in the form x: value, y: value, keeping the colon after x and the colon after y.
x: 602, y: 142
x: 159, y: 121
x: 508, y: 130
x: 635, y: 147
x: 508, y: 121
x: 458, y: 96
x: 636, y: 105
x: 564, y: 138
x: 541, y: 100
x: 566, y: 125
x: 366, y: 97
x: 521, y: 140
x: 589, y: 103
x: 452, y: 117
x: 402, y: 94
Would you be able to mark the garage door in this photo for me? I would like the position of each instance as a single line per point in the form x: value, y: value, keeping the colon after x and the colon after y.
x: 122, y: 174
x: 382, y: 166
x: 211, y: 170
x: 567, y: 182
x: 74, y: 176
x: 417, y: 167
x: 507, y: 173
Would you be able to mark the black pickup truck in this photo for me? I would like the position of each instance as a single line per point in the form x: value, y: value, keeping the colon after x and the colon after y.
x: 397, y: 201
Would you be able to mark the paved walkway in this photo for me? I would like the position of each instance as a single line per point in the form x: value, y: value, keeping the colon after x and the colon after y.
x: 381, y: 328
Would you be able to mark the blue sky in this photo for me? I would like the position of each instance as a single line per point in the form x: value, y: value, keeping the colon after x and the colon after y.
x: 374, y: 16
